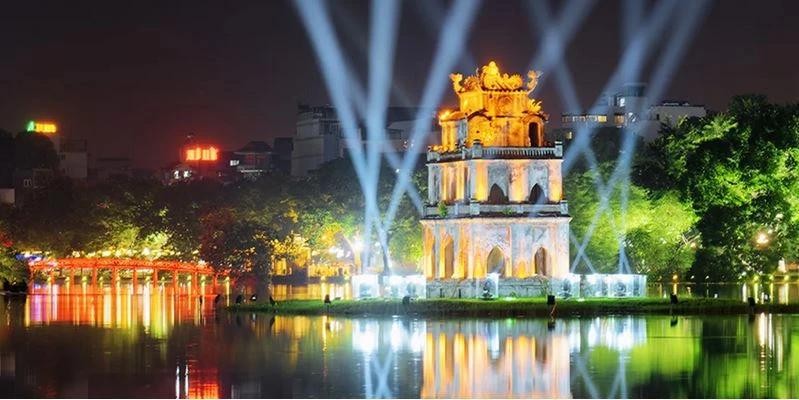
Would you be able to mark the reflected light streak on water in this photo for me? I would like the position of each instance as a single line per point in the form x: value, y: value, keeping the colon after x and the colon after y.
x: 79, y: 346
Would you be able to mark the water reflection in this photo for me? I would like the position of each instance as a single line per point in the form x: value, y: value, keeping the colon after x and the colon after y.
x: 779, y: 291
x: 154, y: 309
x: 154, y: 344
x: 311, y: 291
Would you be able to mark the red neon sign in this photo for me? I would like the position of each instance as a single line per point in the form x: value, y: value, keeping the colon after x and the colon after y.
x: 202, y: 154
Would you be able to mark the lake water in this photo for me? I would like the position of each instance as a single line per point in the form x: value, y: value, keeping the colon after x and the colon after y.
x: 159, y: 345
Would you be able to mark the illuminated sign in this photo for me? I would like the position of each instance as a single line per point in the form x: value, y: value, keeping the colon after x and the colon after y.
x: 41, y: 127
x: 202, y: 154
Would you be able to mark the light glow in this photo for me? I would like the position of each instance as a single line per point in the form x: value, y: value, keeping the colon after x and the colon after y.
x: 199, y: 153
x: 41, y: 127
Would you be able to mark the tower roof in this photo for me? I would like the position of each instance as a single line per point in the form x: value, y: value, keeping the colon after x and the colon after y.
x: 495, y: 109
x: 489, y: 78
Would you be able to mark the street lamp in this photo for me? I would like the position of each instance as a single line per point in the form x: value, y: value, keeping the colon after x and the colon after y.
x: 762, y: 239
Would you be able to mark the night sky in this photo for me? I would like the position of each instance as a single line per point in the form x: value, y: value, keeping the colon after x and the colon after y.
x: 135, y: 77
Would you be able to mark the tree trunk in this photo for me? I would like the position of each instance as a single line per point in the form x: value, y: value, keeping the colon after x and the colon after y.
x: 263, y: 282
x: 386, y: 266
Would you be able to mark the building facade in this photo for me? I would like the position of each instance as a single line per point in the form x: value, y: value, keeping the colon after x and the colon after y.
x: 630, y: 108
x: 253, y: 160
x: 74, y: 159
x: 495, y: 222
x: 319, y: 137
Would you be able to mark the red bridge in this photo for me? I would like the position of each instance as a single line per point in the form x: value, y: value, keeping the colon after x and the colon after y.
x: 127, y: 268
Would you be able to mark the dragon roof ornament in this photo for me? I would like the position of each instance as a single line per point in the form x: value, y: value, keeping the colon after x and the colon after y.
x: 489, y: 78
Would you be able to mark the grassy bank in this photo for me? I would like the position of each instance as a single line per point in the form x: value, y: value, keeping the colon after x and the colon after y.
x: 522, y: 307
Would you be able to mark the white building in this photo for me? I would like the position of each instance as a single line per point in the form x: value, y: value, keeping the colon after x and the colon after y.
x: 495, y: 222
x: 74, y: 159
x: 630, y: 108
x: 319, y: 137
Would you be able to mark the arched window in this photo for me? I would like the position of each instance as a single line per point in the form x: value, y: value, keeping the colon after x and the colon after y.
x: 448, y: 256
x: 532, y: 132
x: 495, y: 263
x: 541, y: 262
x: 496, y: 195
x: 537, y: 195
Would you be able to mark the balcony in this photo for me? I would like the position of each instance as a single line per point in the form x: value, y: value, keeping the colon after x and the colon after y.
x: 477, y: 151
x: 461, y: 210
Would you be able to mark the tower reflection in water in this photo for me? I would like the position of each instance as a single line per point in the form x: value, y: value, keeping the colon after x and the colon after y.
x: 494, y: 358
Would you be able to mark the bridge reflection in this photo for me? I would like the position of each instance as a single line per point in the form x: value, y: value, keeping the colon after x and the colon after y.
x: 154, y: 308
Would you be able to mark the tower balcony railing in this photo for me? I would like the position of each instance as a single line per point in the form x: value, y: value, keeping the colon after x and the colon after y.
x: 511, y: 209
x: 477, y: 151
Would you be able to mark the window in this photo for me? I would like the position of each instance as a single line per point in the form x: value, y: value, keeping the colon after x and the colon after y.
x: 27, y: 182
x: 234, y: 163
x: 395, y: 134
x: 333, y: 129
x: 533, y: 132
x: 618, y: 119
x: 621, y: 102
x: 496, y: 195
x: 602, y: 118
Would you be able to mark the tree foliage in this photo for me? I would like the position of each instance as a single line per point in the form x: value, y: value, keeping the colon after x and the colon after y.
x: 737, y: 169
x: 652, y: 231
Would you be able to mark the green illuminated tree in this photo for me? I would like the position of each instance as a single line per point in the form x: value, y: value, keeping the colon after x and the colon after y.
x: 738, y: 171
x: 654, y: 230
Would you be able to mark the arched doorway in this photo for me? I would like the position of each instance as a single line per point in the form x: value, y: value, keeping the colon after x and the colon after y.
x: 495, y: 263
x: 536, y: 195
x: 532, y: 132
x: 448, y: 256
x: 496, y: 195
x: 541, y: 260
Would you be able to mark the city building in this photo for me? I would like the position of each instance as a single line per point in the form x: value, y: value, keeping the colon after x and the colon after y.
x: 495, y: 222
x: 319, y: 137
x: 252, y: 160
x: 21, y: 177
x: 630, y: 108
x: 28, y: 182
x: 74, y: 159
x: 200, y: 160
x: 73, y: 154
x: 197, y: 160
x: 282, y: 148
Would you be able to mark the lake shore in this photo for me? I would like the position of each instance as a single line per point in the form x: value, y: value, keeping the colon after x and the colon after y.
x: 516, y: 307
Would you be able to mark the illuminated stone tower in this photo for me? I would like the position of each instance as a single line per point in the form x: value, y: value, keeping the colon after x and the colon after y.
x: 495, y: 218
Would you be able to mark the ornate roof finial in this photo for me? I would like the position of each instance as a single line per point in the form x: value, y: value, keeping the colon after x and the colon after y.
x: 456, y: 82
x: 491, y: 79
x: 533, y: 76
